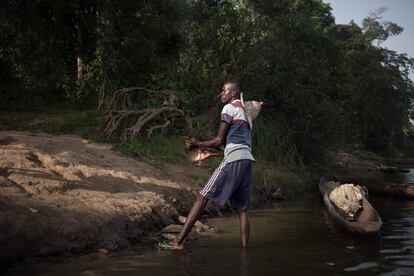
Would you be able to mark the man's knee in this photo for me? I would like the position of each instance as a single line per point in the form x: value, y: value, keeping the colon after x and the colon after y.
x: 242, y: 211
x: 201, y: 199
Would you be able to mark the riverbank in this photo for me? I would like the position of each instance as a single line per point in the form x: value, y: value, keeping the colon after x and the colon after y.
x: 62, y: 195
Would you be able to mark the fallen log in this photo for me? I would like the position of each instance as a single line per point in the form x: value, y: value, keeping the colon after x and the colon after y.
x: 402, y: 190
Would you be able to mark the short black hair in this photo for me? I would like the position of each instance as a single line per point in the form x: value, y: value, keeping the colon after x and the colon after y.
x: 238, y: 84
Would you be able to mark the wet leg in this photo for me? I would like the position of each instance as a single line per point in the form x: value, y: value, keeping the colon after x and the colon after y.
x: 244, y: 228
x: 197, y: 209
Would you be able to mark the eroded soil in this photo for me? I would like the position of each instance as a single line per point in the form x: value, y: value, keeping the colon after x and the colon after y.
x: 62, y: 195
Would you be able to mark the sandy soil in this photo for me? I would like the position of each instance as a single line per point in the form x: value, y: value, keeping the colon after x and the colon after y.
x: 62, y: 195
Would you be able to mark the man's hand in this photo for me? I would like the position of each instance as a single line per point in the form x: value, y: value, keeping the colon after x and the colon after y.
x: 190, y: 143
x: 201, y: 155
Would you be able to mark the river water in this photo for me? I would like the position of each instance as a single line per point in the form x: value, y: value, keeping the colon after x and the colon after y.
x: 290, y: 238
x: 409, y: 176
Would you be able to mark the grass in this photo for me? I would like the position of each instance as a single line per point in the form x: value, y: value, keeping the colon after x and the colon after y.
x: 277, y: 164
x: 279, y: 167
x: 88, y: 124
x: 212, y: 163
x: 199, y: 178
x: 158, y: 149
x: 290, y: 181
x: 270, y: 181
x: 273, y: 141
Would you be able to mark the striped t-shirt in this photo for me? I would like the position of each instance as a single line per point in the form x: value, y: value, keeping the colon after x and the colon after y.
x: 238, y: 140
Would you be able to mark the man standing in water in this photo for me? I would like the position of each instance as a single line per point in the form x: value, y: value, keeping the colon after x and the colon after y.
x: 232, y: 179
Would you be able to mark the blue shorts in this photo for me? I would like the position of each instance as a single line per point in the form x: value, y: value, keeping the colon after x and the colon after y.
x: 231, y: 181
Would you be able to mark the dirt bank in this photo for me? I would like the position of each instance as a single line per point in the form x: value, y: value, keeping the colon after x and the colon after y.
x: 346, y: 164
x: 62, y: 195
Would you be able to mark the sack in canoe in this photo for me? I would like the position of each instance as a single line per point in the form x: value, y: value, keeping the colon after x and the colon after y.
x: 347, y: 199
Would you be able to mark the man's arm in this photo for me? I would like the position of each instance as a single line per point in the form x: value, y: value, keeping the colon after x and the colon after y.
x: 215, y: 142
x: 216, y: 153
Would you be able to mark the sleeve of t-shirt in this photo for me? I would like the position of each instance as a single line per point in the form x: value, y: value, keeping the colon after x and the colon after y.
x: 227, y: 113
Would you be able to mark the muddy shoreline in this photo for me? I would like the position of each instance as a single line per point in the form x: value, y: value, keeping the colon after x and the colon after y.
x: 62, y: 196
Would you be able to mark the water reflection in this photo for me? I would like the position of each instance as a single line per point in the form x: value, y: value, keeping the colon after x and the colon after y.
x: 398, y: 252
x: 296, y: 238
x: 362, y: 266
x: 400, y: 177
x: 409, y: 176
x: 244, y: 262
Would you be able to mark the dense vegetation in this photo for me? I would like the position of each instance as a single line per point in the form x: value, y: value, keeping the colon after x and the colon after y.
x: 324, y: 85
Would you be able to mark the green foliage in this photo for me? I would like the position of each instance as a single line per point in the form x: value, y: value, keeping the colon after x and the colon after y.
x: 159, y: 149
x: 290, y: 181
x: 379, y: 30
x: 199, y: 178
x: 36, y: 53
x: 271, y: 181
x: 324, y: 85
x: 212, y: 163
x: 273, y: 141
x: 88, y: 124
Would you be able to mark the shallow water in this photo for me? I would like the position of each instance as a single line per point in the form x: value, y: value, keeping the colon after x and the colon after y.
x: 409, y: 176
x: 292, y: 238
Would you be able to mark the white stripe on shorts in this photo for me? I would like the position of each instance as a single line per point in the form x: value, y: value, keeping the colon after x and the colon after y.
x: 213, y: 178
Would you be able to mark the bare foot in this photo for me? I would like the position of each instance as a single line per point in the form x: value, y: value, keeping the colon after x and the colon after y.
x: 172, y: 245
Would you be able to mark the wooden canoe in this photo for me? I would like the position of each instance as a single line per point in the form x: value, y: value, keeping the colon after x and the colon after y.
x: 384, y: 187
x: 368, y: 221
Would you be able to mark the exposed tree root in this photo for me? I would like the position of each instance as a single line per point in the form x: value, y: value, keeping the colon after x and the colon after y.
x: 124, y: 107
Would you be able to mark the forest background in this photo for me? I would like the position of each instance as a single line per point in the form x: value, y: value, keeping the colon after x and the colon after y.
x: 326, y: 86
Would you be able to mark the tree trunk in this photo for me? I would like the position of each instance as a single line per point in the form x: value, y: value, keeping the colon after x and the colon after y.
x: 79, y: 44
